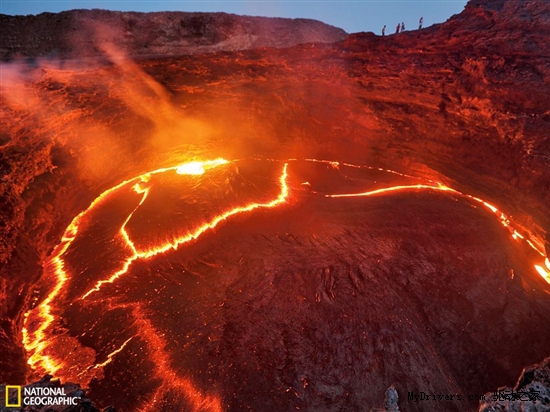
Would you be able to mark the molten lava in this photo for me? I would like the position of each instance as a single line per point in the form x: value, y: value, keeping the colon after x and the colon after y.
x: 112, y: 354
x: 40, y: 319
x: 504, y: 219
x: 545, y: 273
x: 396, y: 189
x: 198, y: 168
x: 41, y: 338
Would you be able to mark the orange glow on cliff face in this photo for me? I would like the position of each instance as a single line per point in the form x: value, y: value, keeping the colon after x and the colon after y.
x: 40, y: 322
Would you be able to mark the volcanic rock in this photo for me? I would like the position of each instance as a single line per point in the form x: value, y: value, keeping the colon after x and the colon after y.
x: 82, y: 33
x: 531, y: 392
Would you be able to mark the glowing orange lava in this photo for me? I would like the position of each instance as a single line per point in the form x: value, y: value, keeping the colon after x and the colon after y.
x: 198, y: 168
x: 111, y: 355
x: 395, y: 189
x: 39, y: 322
x: 168, y: 376
x: 36, y: 342
x: 544, y: 272
x: 504, y: 220
x: 146, y: 254
x: 337, y: 165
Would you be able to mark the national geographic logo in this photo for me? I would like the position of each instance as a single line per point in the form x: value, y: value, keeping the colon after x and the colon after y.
x: 9, y: 390
x: 17, y: 396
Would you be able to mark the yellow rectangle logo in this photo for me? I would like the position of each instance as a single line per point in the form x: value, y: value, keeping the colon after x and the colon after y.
x: 13, y: 405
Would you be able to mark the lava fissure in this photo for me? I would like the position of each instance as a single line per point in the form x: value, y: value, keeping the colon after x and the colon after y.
x: 40, y: 321
x: 36, y: 342
x: 168, y: 376
x: 111, y: 355
x: 190, y: 236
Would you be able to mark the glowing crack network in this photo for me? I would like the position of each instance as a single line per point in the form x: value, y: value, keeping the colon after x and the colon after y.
x: 40, y: 322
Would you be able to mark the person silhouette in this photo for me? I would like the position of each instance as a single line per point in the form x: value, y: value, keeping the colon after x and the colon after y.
x: 397, y: 28
x: 420, y: 23
x: 402, y: 27
x: 384, y: 30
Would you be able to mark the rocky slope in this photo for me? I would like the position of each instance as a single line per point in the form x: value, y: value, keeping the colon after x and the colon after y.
x: 82, y: 33
x: 465, y: 102
x: 531, y: 392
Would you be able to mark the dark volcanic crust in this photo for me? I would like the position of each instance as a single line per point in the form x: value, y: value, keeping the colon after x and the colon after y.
x: 324, y: 305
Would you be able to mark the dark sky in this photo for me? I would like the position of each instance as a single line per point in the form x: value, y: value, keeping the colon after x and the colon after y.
x: 350, y: 15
